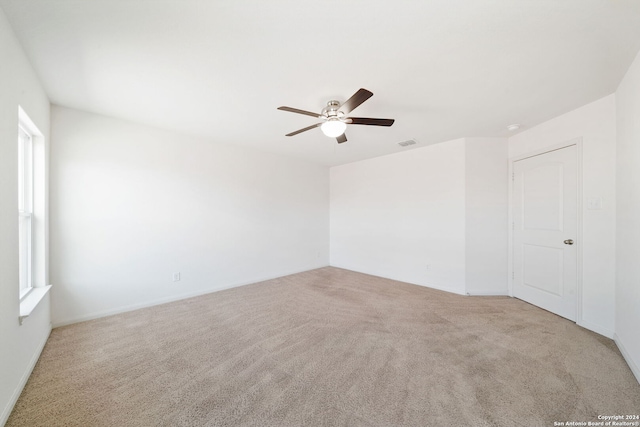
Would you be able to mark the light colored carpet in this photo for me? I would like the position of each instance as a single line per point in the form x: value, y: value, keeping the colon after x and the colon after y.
x: 328, y: 347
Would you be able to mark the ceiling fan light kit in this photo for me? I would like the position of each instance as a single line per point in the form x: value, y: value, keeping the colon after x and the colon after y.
x: 334, y: 117
x: 333, y: 128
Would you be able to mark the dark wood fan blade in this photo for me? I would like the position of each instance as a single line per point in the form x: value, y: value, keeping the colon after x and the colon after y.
x: 295, y: 110
x: 368, y: 121
x: 304, y: 129
x: 342, y: 138
x: 358, y: 98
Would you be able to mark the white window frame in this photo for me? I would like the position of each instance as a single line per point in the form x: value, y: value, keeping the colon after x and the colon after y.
x: 32, y: 215
x: 25, y: 210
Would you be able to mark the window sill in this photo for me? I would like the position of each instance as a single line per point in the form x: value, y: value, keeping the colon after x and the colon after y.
x: 31, y: 301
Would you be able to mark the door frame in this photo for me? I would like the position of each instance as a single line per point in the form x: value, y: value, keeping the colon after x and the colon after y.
x: 510, y: 278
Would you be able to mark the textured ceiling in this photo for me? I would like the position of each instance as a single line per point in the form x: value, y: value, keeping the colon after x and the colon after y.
x: 442, y: 68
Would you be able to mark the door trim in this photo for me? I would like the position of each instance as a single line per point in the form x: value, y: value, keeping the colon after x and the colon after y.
x: 578, y: 143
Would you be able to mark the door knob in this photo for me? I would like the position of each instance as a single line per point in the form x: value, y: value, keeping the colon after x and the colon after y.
x: 568, y: 242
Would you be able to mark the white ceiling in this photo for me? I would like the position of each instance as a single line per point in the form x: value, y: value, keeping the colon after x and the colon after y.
x: 442, y: 68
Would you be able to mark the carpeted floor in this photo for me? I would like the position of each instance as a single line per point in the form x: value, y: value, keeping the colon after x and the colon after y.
x: 328, y: 347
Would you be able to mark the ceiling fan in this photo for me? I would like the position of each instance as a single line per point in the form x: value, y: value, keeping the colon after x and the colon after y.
x: 334, y: 117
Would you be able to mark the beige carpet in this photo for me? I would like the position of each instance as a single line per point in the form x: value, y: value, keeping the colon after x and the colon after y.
x: 328, y: 347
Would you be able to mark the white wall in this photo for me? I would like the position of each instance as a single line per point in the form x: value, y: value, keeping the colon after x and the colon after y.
x: 20, y: 345
x: 131, y: 205
x: 486, y: 214
x: 434, y: 216
x: 402, y: 216
x: 595, y: 123
x: 628, y: 217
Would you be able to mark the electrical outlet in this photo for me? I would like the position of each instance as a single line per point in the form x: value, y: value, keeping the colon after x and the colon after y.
x: 176, y: 277
x: 428, y: 267
x: 594, y: 203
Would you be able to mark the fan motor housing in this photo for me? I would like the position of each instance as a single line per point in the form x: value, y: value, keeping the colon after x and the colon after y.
x: 331, y: 110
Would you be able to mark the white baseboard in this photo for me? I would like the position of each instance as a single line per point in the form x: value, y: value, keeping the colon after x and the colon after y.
x: 627, y: 357
x: 23, y: 381
x: 172, y: 298
x: 503, y: 293
x: 432, y: 286
x: 596, y: 328
x: 427, y: 285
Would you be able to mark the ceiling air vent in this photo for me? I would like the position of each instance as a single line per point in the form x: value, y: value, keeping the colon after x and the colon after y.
x: 407, y: 143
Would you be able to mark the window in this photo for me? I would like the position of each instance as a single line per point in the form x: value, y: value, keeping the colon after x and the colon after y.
x: 32, y: 215
x: 25, y: 209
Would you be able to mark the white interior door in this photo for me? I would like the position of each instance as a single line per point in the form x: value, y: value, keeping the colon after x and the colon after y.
x: 544, y: 231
